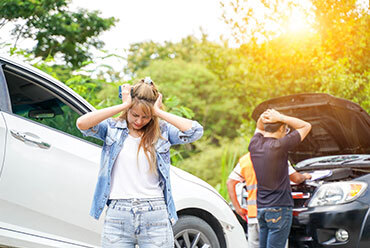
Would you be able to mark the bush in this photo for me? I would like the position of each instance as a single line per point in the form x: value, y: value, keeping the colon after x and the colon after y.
x: 214, y: 163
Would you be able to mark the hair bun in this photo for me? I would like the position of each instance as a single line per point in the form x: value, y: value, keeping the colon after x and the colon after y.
x: 148, y: 80
x: 146, y: 90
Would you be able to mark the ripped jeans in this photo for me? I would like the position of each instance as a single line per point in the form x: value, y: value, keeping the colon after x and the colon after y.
x: 275, y: 223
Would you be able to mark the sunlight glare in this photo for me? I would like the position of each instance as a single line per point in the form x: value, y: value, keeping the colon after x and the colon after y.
x: 297, y: 22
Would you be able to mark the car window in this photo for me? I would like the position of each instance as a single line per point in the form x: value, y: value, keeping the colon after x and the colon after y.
x: 32, y: 101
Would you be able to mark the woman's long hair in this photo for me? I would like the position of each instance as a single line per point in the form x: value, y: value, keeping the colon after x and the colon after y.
x: 144, y: 95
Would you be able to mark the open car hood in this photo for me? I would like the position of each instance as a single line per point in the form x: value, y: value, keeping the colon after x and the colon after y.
x: 339, y: 126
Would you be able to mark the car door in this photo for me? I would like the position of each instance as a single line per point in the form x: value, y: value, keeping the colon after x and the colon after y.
x: 2, y: 141
x: 3, y: 105
x: 49, y: 170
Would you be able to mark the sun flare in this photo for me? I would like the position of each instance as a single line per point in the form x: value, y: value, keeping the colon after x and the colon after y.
x: 297, y: 22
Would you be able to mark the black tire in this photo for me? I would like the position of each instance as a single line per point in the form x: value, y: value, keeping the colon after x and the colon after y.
x: 190, y: 231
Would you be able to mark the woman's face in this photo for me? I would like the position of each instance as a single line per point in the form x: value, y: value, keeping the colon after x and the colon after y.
x: 136, y: 118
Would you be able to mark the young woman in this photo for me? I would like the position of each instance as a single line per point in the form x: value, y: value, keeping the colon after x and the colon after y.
x: 134, y: 177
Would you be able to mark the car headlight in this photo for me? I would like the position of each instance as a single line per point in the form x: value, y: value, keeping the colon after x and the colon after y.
x: 337, y: 193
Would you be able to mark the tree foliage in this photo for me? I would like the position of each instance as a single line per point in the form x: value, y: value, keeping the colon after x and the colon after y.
x: 344, y: 29
x: 56, y: 30
x: 141, y: 54
x: 199, y: 89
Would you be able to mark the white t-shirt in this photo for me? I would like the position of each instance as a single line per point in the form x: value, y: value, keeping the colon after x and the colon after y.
x: 131, y: 175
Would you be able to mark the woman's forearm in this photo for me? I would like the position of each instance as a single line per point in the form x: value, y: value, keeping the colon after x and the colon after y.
x: 92, y: 119
x: 181, y: 123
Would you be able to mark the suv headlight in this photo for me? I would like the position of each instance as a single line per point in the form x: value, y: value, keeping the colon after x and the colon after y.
x: 337, y: 193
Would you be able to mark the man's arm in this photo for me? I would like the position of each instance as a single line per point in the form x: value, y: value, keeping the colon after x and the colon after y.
x: 259, y: 126
x: 272, y: 116
x: 231, y: 183
x: 298, y: 178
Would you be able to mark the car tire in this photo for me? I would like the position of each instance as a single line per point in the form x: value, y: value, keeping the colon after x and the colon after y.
x: 190, y: 231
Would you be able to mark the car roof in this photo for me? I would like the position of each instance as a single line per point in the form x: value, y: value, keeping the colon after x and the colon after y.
x: 18, y: 64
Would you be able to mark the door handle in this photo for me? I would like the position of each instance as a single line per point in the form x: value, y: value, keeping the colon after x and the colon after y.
x: 30, y: 138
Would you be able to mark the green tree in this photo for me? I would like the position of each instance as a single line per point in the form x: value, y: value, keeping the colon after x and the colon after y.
x: 344, y: 28
x: 56, y: 30
x: 198, y: 89
x: 141, y: 54
x: 332, y: 59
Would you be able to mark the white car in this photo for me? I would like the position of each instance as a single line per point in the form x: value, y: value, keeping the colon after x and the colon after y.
x: 48, y: 173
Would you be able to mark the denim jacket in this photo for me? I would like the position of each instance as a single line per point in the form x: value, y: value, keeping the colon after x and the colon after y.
x: 114, y: 133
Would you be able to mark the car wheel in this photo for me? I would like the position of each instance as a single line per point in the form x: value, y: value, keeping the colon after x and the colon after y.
x: 190, y: 231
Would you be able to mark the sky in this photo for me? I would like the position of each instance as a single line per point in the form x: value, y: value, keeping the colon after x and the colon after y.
x: 145, y: 20
x: 160, y: 20
x: 157, y: 20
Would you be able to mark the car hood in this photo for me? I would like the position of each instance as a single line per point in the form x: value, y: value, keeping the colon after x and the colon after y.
x: 336, y: 161
x: 339, y: 126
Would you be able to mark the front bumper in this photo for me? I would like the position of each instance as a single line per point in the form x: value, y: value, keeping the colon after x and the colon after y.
x: 317, y: 226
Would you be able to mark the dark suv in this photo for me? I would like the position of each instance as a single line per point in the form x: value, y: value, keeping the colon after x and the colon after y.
x: 332, y: 210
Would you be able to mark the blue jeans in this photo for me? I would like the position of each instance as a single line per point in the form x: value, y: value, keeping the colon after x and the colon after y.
x: 275, y: 223
x: 142, y: 222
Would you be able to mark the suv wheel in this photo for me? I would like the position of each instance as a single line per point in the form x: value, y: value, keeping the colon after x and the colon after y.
x: 191, y: 231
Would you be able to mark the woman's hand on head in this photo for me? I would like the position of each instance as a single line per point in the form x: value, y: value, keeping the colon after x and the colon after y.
x: 158, y: 104
x: 126, y: 93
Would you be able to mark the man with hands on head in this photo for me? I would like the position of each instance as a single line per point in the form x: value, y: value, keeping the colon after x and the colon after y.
x: 269, y: 154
